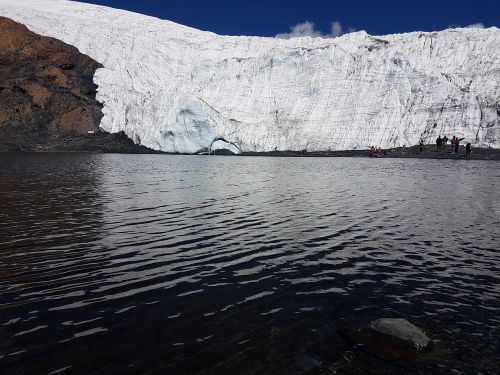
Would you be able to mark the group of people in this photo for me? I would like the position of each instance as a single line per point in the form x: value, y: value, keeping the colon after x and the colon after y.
x: 440, y: 143
x: 377, y: 153
x: 455, y: 144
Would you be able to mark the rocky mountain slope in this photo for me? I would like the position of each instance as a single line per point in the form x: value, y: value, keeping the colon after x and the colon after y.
x: 178, y: 89
x: 46, y: 89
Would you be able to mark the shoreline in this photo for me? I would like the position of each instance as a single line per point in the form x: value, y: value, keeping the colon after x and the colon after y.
x: 429, y: 152
x: 118, y: 143
x: 98, y: 143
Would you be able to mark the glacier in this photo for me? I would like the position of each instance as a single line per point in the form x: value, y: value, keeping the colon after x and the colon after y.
x: 177, y: 89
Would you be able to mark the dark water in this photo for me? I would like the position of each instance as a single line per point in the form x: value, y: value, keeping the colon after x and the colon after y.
x: 117, y: 264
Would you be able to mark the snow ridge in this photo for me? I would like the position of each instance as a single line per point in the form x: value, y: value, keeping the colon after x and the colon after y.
x: 177, y: 89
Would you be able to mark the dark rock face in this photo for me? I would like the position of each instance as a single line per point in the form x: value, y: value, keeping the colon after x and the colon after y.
x: 46, y: 89
x: 98, y: 142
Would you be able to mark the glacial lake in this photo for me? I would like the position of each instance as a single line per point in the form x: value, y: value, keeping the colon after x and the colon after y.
x: 158, y: 264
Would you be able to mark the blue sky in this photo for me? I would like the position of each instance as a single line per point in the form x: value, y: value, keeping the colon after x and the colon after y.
x: 271, y: 17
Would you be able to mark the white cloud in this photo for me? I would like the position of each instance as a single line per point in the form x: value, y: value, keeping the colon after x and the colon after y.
x: 336, y: 29
x: 301, y: 29
x: 307, y: 29
x: 476, y: 26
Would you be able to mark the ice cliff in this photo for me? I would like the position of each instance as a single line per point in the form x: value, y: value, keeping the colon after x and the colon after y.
x: 174, y: 88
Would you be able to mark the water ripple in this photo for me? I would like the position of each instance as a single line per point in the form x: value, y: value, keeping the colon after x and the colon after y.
x: 210, y: 265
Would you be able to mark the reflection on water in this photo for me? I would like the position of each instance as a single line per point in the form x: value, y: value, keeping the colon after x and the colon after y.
x: 165, y: 264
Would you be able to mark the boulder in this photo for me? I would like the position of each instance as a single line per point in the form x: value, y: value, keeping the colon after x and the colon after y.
x: 401, y: 332
x: 395, y: 340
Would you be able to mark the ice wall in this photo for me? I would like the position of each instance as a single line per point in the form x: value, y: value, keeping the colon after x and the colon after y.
x: 174, y: 88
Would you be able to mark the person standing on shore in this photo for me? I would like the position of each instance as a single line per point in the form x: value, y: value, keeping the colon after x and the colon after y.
x: 453, y: 140
x: 445, y: 140
x: 457, y: 144
x: 372, y: 150
x: 467, y: 150
x: 421, y: 144
x: 439, y: 143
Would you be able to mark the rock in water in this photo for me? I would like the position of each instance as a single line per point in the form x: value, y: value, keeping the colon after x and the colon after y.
x: 402, y: 332
x: 397, y: 341
x: 306, y: 363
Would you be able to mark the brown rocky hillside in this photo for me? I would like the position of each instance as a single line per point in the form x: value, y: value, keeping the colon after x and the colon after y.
x: 46, y: 89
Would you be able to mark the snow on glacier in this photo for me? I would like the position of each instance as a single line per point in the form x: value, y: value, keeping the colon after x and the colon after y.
x: 178, y: 89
